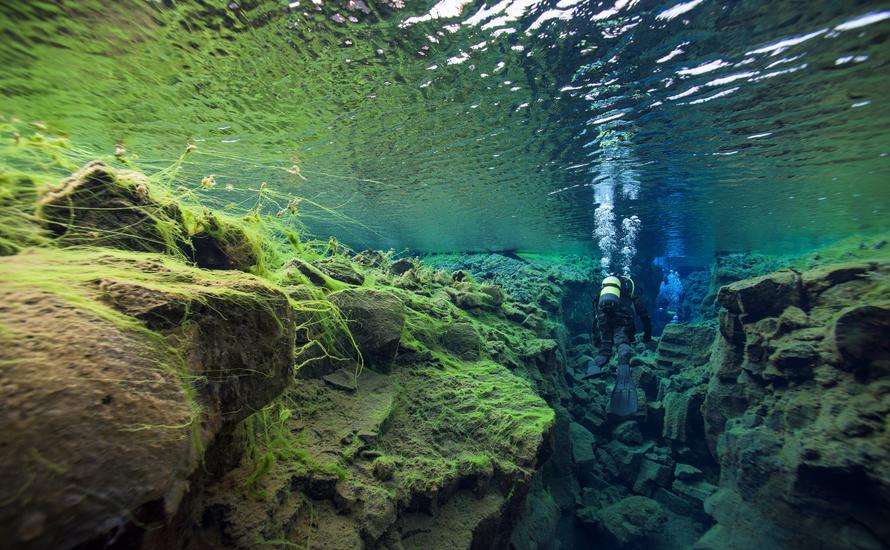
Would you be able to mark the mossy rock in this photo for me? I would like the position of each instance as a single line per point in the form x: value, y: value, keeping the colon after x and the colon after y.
x: 375, y: 319
x: 121, y: 368
x: 341, y: 270
x: 463, y: 341
x: 220, y: 243
x: 101, y: 206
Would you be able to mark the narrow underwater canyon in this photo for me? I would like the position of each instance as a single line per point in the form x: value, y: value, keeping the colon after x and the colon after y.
x: 181, y: 387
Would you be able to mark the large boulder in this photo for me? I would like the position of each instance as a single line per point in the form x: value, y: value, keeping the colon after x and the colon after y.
x: 682, y: 413
x: 628, y: 522
x: 103, y: 206
x: 92, y: 206
x: 375, y: 319
x: 341, y: 270
x: 462, y: 340
x: 582, y: 445
x: 119, y: 370
x: 762, y: 296
x: 860, y: 337
x: 795, y: 411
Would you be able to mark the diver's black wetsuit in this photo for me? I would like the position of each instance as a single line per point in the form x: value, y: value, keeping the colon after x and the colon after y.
x: 615, y: 327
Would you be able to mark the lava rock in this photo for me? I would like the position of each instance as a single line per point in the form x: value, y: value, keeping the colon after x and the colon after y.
x: 761, y: 297
x: 628, y: 432
x: 341, y: 271
x: 652, y: 475
x: 627, y: 522
x: 860, y: 337
x: 687, y: 472
x: 376, y: 319
x: 399, y: 267
x: 582, y: 445
x: 463, y: 341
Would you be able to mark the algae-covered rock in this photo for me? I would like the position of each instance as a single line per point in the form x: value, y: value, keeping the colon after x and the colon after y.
x: 792, y: 414
x: 462, y: 340
x: 402, y: 266
x: 861, y: 337
x: 627, y: 522
x: 101, y: 206
x: 763, y: 296
x: 628, y: 432
x: 582, y: 445
x: 376, y: 319
x: 122, y: 368
x: 219, y: 242
x: 652, y: 476
x: 681, y: 412
x: 18, y: 226
x: 341, y: 270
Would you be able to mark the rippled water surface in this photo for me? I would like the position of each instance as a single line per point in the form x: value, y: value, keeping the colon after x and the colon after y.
x: 468, y: 125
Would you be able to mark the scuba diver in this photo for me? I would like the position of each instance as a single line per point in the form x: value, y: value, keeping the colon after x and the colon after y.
x: 613, y: 317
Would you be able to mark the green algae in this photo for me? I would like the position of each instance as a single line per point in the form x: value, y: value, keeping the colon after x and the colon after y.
x: 451, y: 418
x: 269, y: 439
x: 18, y: 227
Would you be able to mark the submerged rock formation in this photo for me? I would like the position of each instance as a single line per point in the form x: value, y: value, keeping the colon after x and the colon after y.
x: 796, y: 409
x: 162, y: 397
x: 119, y: 369
x: 184, y: 386
x: 765, y: 430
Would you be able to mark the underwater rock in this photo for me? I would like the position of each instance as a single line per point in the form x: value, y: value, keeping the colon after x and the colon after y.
x: 627, y: 522
x: 521, y: 279
x: 684, y: 346
x: 219, y: 242
x: 95, y: 203
x: 495, y: 294
x: 628, y: 432
x: 652, y: 475
x: 402, y: 266
x: 462, y: 340
x: 371, y: 258
x: 375, y: 319
x: 341, y: 270
x: 860, y: 338
x: 310, y: 273
x: 103, y: 206
x: 696, y: 491
x: 122, y: 375
x: 582, y: 445
x: 681, y: 409
x: 789, y: 449
x: 19, y: 229
x: 687, y: 472
x: 763, y: 296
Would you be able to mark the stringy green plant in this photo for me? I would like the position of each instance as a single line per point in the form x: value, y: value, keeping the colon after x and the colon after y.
x: 19, y: 227
x: 268, y: 439
x: 177, y: 213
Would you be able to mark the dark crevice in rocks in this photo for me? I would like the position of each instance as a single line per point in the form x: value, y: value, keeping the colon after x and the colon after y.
x: 208, y: 254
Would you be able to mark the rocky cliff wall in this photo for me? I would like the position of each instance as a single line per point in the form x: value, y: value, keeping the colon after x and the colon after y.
x: 765, y: 429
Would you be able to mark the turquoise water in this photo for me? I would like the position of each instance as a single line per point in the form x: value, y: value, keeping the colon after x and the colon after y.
x: 466, y: 125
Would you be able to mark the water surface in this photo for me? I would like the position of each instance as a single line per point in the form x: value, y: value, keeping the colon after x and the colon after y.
x: 467, y: 125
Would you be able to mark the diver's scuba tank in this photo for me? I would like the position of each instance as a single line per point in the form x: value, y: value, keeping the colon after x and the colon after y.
x: 610, y: 293
x: 611, y: 289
